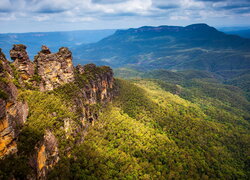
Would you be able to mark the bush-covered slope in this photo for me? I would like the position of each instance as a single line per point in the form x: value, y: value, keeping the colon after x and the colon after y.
x: 228, y: 86
x: 150, y: 133
x: 160, y: 125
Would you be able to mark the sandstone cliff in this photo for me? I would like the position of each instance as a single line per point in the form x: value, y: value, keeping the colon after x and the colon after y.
x: 13, y: 113
x: 54, y: 69
x: 47, y: 154
x: 100, y: 82
x: 81, y: 91
x: 22, y: 62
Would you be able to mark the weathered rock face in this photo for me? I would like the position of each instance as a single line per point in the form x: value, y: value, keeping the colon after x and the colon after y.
x: 99, y: 88
x: 55, y: 69
x: 100, y: 83
x: 4, y: 64
x: 13, y: 113
x: 22, y: 61
x: 47, y: 154
x: 94, y: 87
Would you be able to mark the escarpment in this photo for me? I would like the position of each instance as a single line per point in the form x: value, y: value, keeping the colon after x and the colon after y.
x: 13, y: 113
x: 51, y: 100
x: 100, y: 82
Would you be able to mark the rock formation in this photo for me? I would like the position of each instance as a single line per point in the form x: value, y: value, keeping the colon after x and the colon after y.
x: 100, y: 83
x: 22, y: 61
x: 94, y: 87
x: 54, y: 69
x: 47, y: 154
x: 13, y: 113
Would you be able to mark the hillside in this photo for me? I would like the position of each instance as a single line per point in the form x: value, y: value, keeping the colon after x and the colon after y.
x: 197, y: 46
x: 237, y: 78
x: 58, y: 121
x: 150, y: 133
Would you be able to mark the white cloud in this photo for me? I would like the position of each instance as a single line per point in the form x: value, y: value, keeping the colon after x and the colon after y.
x: 101, y: 11
x: 179, y: 18
x: 5, y: 6
x: 7, y: 17
x: 41, y: 18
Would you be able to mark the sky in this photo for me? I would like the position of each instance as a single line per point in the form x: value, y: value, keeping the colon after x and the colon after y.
x: 64, y: 15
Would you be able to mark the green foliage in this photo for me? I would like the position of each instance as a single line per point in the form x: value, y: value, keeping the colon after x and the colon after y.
x: 206, y: 89
x: 185, y: 125
x: 149, y: 133
x: 242, y: 81
x: 27, y: 140
x: 47, y: 111
x: 91, y: 72
x: 67, y: 92
x: 16, y: 75
x: 36, y: 78
x: 16, y: 165
x: 127, y: 73
x: 4, y: 80
x: 3, y: 95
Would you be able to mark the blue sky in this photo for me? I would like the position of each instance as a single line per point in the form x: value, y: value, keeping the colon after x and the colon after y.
x: 63, y: 15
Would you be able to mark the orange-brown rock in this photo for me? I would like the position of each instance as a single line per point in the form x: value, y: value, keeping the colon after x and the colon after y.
x: 13, y: 113
x: 100, y: 83
x: 22, y: 62
x: 98, y: 88
x: 47, y: 154
x: 55, y: 69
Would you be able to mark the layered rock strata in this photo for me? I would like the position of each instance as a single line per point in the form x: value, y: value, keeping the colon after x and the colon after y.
x: 13, y: 113
x: 54, y: 69
x: 22, y: 62
x: 47, y: 154
x: 100, y: 83
x: 49, y: 71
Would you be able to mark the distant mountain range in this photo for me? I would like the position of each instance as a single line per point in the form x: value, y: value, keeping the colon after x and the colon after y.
x: 196, y: 46
x: 243, y: 33
x: 54, y: 40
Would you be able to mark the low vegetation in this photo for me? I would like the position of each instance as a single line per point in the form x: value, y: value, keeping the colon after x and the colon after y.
x: 150, y: 133
x: 174, y: 125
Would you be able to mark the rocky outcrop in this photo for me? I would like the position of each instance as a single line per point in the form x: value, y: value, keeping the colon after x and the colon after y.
x: 22, y: 61
x: 47, y: 154
x: 100, y: 83
x: 96, y: 87
x: 92, y: 87
x: 54, y: 69
x: 13, y: 113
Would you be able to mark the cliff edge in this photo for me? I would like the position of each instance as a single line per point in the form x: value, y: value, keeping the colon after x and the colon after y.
x: 45, y: 103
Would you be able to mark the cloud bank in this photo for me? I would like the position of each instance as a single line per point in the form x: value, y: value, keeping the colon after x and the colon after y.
x: 48, y: 15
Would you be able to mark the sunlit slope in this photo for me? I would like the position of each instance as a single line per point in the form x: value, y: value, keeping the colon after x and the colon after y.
x: 150, y: 133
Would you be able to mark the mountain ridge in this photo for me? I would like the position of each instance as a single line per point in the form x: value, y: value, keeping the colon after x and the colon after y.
x: 167, y: 28
x: 194, y: 46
